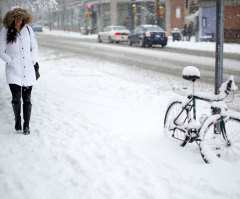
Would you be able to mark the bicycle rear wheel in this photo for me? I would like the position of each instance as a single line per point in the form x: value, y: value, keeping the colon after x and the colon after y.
x: 214, y: 144
x: 173, y: 110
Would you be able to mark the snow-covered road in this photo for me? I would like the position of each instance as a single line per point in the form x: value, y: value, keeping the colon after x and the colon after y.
x: 167, y: 60
x: 96, y: 133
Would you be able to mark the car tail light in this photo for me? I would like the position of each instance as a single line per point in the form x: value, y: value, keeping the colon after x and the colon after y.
x: 166, y: 35
x: 117, y: 33
x: 148, y: 34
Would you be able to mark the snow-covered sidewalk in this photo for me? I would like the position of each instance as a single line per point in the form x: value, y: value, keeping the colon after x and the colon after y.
x: 96, y: 133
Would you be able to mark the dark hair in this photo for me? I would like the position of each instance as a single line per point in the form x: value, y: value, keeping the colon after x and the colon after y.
x: 12, y: 32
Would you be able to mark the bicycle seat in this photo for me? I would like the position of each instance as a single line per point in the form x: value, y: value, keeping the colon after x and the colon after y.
x: 191, y: 73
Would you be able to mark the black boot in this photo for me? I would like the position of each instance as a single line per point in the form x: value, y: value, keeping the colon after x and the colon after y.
x: 17, y: 113
x: 26, y: 116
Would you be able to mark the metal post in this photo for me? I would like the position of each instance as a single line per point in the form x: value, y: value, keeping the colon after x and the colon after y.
x: 219, y: 44
x: 219, y: 51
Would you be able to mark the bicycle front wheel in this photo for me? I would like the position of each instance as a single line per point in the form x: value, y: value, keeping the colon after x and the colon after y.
x: 215, y: 145
x: 175, y: 110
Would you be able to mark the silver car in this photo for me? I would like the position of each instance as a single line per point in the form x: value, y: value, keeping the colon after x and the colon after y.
x: 112, y: 34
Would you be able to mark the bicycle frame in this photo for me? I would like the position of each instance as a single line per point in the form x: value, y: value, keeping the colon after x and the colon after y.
x: 191, y: 106
x: 222, y: 128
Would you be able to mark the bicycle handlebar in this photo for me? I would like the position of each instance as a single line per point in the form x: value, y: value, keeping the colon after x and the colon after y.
x: 228, y: 86
x: 224, y: 90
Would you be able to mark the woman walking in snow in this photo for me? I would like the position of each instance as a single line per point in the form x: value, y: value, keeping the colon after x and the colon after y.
x: 18, y: 48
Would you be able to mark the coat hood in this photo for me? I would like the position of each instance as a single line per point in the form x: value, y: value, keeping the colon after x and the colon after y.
x: 12, y: 15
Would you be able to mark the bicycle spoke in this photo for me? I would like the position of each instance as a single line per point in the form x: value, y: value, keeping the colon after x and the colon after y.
x: 229, y: 149
x: 175, y: 113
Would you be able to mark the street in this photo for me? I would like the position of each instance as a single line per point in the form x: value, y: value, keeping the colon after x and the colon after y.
x: 167, y: 60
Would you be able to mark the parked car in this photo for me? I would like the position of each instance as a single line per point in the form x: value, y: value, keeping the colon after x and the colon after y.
x: 176, y: 34
x: 112, y: 34
x: 37, y: 28
x: 148, y: 35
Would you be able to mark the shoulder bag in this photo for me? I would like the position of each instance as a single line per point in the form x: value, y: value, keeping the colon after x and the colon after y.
x: 36, y: 66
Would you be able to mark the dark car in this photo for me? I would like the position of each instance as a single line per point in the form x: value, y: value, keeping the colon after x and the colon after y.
x: 37, y: 28
x: 148, y: 35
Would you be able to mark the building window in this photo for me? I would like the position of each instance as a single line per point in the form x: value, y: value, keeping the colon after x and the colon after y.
x: 106, y: 14
x: 55, y: 22
x: 74, y: 17
x: 178, y: 13
x: 67, y: 18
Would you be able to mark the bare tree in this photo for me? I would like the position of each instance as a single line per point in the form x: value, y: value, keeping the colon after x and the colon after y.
x: 6, y: 5
x: 33, y: 5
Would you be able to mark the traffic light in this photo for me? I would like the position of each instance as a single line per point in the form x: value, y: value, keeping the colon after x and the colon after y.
x: 161, y: 10
x: 89, y: 7
x: 134, y: 9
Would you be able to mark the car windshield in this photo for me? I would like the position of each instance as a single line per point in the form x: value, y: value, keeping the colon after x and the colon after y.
x: 154, y: 29
x: 119, y: 28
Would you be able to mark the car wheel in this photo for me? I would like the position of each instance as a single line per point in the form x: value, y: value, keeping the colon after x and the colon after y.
x: 129, y: 42
x: 150, y: 45
x: 163, y: 46
x: 141, y: 43
x: 99, y: 39
x: 110, y: 40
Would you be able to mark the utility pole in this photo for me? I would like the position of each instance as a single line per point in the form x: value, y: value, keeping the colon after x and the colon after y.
x: 132, y: 15
x: 219, y: 44
x: 156, y: 5
x: 135, y: 14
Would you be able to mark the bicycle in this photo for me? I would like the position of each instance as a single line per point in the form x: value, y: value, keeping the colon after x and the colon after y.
x: 217, y: 135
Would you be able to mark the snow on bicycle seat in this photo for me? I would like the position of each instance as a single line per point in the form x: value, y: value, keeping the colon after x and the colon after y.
x: 191, y: 73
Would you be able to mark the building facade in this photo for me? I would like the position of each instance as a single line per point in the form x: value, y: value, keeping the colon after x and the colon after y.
x: 129, y: 13
x: 178, y: 13
x: 92, y: 16
x: 231, y: 19
x: 68, y: 15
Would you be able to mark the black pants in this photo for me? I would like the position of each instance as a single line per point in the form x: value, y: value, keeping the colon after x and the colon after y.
x: 18, y: 92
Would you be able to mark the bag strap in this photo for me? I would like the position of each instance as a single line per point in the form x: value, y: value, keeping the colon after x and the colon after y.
x: 29, y: 36
x: 28, y: 30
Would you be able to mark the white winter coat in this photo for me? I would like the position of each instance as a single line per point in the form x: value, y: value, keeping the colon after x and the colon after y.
x: 20, y: 57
